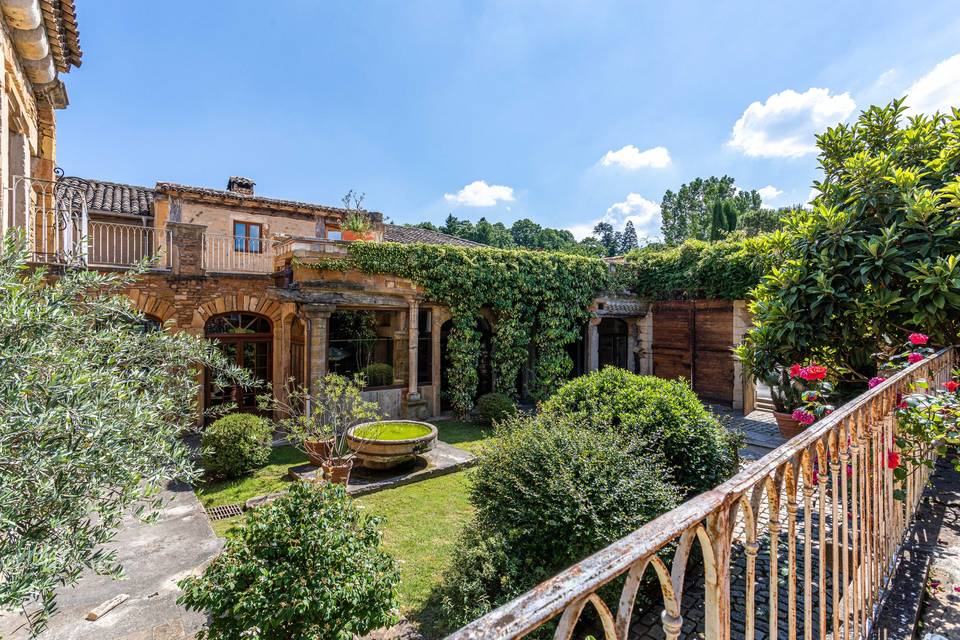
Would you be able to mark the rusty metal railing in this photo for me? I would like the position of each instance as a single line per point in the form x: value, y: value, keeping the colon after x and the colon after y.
x: 809, y: 535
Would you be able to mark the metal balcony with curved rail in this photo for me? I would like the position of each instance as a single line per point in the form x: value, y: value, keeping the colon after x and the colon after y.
x: 807, y: 538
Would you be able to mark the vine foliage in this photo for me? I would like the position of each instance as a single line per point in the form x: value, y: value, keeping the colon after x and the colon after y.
x: 540, y: 301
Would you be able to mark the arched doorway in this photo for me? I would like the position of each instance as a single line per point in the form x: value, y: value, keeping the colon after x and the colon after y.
x: 613, y: 335
x: 247, y: 340
x: 484, y: 366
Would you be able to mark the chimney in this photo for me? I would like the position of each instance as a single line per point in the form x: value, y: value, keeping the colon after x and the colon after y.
x: 241, y: 185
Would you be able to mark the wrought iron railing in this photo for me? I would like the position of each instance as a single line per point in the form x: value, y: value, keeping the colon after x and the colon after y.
x: 808, y: 538
x: 58, y: 230
x: 225, y: 253
x: 124, y: 245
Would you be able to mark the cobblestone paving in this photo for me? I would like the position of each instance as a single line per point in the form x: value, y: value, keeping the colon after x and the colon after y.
x: 761, y: 437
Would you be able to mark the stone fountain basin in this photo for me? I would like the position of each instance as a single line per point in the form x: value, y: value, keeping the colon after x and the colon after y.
x: 388, y: 448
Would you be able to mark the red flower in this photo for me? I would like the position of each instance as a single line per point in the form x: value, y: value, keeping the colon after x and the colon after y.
x: 914, y: 357
x: 951, y: 386
x: 918, y: 338
x: 874, y: 381
x: 903, y: 405
x: 813, y: 372
x: 893, y: 459
x: 795, y: 370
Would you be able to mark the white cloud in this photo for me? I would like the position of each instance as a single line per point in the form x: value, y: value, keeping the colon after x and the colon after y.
x: 630, y: 157
x: 939, y: 90
x: 644, y: 214
x: 784, y: 125
x: 769, y: 193
x: 480, y: 194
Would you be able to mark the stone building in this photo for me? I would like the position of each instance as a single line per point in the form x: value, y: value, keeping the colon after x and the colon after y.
x: 235, y: 266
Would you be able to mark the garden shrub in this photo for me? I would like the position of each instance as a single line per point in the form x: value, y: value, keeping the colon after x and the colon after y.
x: 308, y: 565
x: 664, y: 417
x: 549, y: 494
x: 378, y: 374
x: 235, y: 444
x: 876, y: 255
x: 494, y: 407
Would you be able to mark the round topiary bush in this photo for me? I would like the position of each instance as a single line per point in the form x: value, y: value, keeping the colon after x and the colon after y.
x: 549, y: 494
x: 308, y: 565
x: 494, y: 407
x: 664, y: 417
x: 378, y: 374
x: 235, y: 444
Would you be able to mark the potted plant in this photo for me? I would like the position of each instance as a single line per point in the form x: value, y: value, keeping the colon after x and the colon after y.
x: 318, y: 422
x: 800, y: 396
x: 356, y: 226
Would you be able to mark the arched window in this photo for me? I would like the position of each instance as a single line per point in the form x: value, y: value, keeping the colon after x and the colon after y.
x: 151, y: 324
x: 247, y: 340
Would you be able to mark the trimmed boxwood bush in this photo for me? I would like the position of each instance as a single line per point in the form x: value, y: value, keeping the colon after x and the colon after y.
x: 378, y: 374
x: 549, y: 494
x: 308, y: 565
x: 494, y: 407
x: 664, y: 418
x: 235, y: 444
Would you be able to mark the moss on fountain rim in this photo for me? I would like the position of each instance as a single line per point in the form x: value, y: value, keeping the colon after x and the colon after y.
x: 391, y: 430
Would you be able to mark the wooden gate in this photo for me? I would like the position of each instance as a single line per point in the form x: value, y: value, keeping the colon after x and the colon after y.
x: 692, y: 340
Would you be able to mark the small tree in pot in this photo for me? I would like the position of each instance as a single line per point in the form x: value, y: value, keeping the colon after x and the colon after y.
x: 318, y: 421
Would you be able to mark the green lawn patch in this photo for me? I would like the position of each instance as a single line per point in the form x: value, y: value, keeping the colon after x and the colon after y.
x: 421, y: 524
x: 268, y: 479
x: 470, y: 436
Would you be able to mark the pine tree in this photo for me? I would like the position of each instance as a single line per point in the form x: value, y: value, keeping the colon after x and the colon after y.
x: 629, y: 240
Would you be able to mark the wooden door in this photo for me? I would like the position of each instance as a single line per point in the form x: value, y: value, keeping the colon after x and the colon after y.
x: 673, y: 340
x: 712, y: 358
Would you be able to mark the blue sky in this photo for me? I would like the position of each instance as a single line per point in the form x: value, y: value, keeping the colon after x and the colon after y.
x: 564, y: 112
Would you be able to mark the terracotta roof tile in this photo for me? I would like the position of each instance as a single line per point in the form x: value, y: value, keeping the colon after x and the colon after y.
x: 410, y: 235
x: 110, y: 197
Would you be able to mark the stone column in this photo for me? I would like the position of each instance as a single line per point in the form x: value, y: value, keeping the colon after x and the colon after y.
x: 632, y: 344
x: 645, y: 342
x: 744, y: 386
x: 593, y: 344
x: 186, y: 242
x: 19, y: 165
x: 413, y: 337
x: 318, y: 324
x: 436, y: 363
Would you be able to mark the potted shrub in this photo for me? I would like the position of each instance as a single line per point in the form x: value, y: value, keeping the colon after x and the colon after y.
x: 319, y: 420
x: 356, y: 226
x: 800, y: 395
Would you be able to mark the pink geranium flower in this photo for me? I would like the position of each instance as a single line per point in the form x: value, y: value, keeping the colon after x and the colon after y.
x: 813, y: 372
x: 874, y: 381
x: 918, y: 339
x: 914, y: 357
x: 795, y: 370
x: 803, y: 417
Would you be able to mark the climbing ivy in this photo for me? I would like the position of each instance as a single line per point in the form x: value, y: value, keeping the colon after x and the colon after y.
x: 540, y: 299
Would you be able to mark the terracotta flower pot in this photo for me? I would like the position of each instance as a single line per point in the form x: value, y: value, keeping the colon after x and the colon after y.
x: 350, y: 236
x: 318, y: 450
x: 789, y: 427
x: 337, y: 471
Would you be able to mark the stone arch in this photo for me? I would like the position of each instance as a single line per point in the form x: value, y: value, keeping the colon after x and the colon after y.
x: 236, y: 302
x: 150, y: 305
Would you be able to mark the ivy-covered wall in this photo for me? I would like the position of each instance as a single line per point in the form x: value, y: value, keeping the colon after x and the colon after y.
x: 698, y: 270
x: 540, y: 300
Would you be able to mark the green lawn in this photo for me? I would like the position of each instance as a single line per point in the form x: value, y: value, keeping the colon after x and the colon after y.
x: 274, y: 477
x: 422, y: 521
x: 270, y: 478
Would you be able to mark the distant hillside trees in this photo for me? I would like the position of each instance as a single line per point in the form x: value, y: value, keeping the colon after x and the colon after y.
x: 687, y: 214
x: 522, y: 234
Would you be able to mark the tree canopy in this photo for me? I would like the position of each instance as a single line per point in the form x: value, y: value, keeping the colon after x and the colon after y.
x: 686, y: 214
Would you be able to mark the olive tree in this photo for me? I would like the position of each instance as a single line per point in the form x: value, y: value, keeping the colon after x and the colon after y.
x: 92, y: 407
x: 876, y: 256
